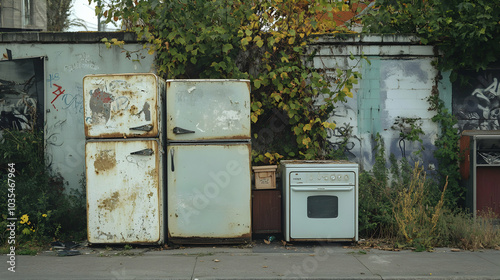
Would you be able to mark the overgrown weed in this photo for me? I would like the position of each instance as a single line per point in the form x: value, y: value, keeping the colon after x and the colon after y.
x: 44, y: 209
x: 403, y: 206
x: 415, y: 219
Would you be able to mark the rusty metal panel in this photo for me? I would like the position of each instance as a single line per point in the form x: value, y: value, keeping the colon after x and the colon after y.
x: 209, y: 193
x: 122, y: 105
x: 124, y: 191
x: 208, y: 110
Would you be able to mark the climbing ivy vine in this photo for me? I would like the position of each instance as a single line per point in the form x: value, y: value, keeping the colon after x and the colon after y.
x: 467, y: 32
x: 447, y: 151
x: 263, y: 41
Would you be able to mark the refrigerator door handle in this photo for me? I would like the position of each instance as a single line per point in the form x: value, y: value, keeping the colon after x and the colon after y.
x: 146, y: 127
x: 172, y: 159
x: 180, y: 130
x: 145, y: 152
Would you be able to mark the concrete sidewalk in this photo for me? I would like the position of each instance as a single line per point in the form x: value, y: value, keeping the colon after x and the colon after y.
x: 260, y: 261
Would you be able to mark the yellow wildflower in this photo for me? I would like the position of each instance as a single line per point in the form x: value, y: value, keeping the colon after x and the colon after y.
x: 24, y: 218
x: 44, y: 215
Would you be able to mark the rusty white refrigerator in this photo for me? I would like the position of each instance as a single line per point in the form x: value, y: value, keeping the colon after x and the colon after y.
x: 124, y: 158
x: 208, y: 161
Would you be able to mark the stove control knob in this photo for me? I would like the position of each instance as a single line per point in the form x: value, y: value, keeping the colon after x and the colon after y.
x: 325, y: 177
x: 333, y: 177
x: 339, y: 177
x: 346, y: 177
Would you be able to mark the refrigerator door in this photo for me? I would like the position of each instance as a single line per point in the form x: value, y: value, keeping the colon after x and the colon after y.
x: 122, y: 105
x: 124, y: 191
x: 209, y: 193
x: 204, y: 110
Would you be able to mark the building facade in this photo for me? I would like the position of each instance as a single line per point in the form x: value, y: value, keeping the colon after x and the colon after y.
x: 23, y: 15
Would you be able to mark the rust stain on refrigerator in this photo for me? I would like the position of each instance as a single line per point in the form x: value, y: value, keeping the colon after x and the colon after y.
x: 111, y: 202
x: 104, y: 161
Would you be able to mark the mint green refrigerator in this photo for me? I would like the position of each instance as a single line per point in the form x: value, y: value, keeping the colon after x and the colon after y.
x: 208, y: 161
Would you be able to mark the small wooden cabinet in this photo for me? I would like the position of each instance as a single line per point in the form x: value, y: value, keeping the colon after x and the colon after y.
x: 266, y: 211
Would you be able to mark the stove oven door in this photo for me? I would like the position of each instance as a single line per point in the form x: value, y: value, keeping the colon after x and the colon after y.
x: 322, y: 212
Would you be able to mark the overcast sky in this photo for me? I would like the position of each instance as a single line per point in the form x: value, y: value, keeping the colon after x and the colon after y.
x: 82, y: 10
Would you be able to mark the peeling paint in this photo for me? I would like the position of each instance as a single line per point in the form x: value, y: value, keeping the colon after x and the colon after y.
x: 108, y: 235
x: 228, y: 119
x: 118, y: 104
x: 145, y: 110
x: 100, y: 105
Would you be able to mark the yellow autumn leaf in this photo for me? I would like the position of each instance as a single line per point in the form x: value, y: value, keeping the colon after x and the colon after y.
x: 307, y: 127
x: 306, y: 141
x: 347, y: 92
x: 329, y: 125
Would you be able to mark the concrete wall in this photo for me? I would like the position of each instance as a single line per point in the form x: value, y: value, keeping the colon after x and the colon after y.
x: 68, y: 58
x: 395, y: 85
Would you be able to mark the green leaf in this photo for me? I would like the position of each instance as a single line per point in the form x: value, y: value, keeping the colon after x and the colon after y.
x: 98, y: 10
x: 226, y: 48
x: 297, y: 130
x: 244, y: 42
x: 257, y: 83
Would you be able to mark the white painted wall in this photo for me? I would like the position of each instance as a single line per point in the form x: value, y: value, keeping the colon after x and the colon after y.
x: 395, y: 84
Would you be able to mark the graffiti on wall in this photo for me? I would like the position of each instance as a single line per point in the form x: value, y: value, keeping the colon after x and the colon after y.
x: 84, y: 61
x: 70, y: 99
x: 20, y: 92
x: 476, y: 104
x: 17, y: 108
x: 341, y: 142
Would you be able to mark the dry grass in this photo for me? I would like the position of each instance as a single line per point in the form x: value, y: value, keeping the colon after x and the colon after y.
x: 473, y: 234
